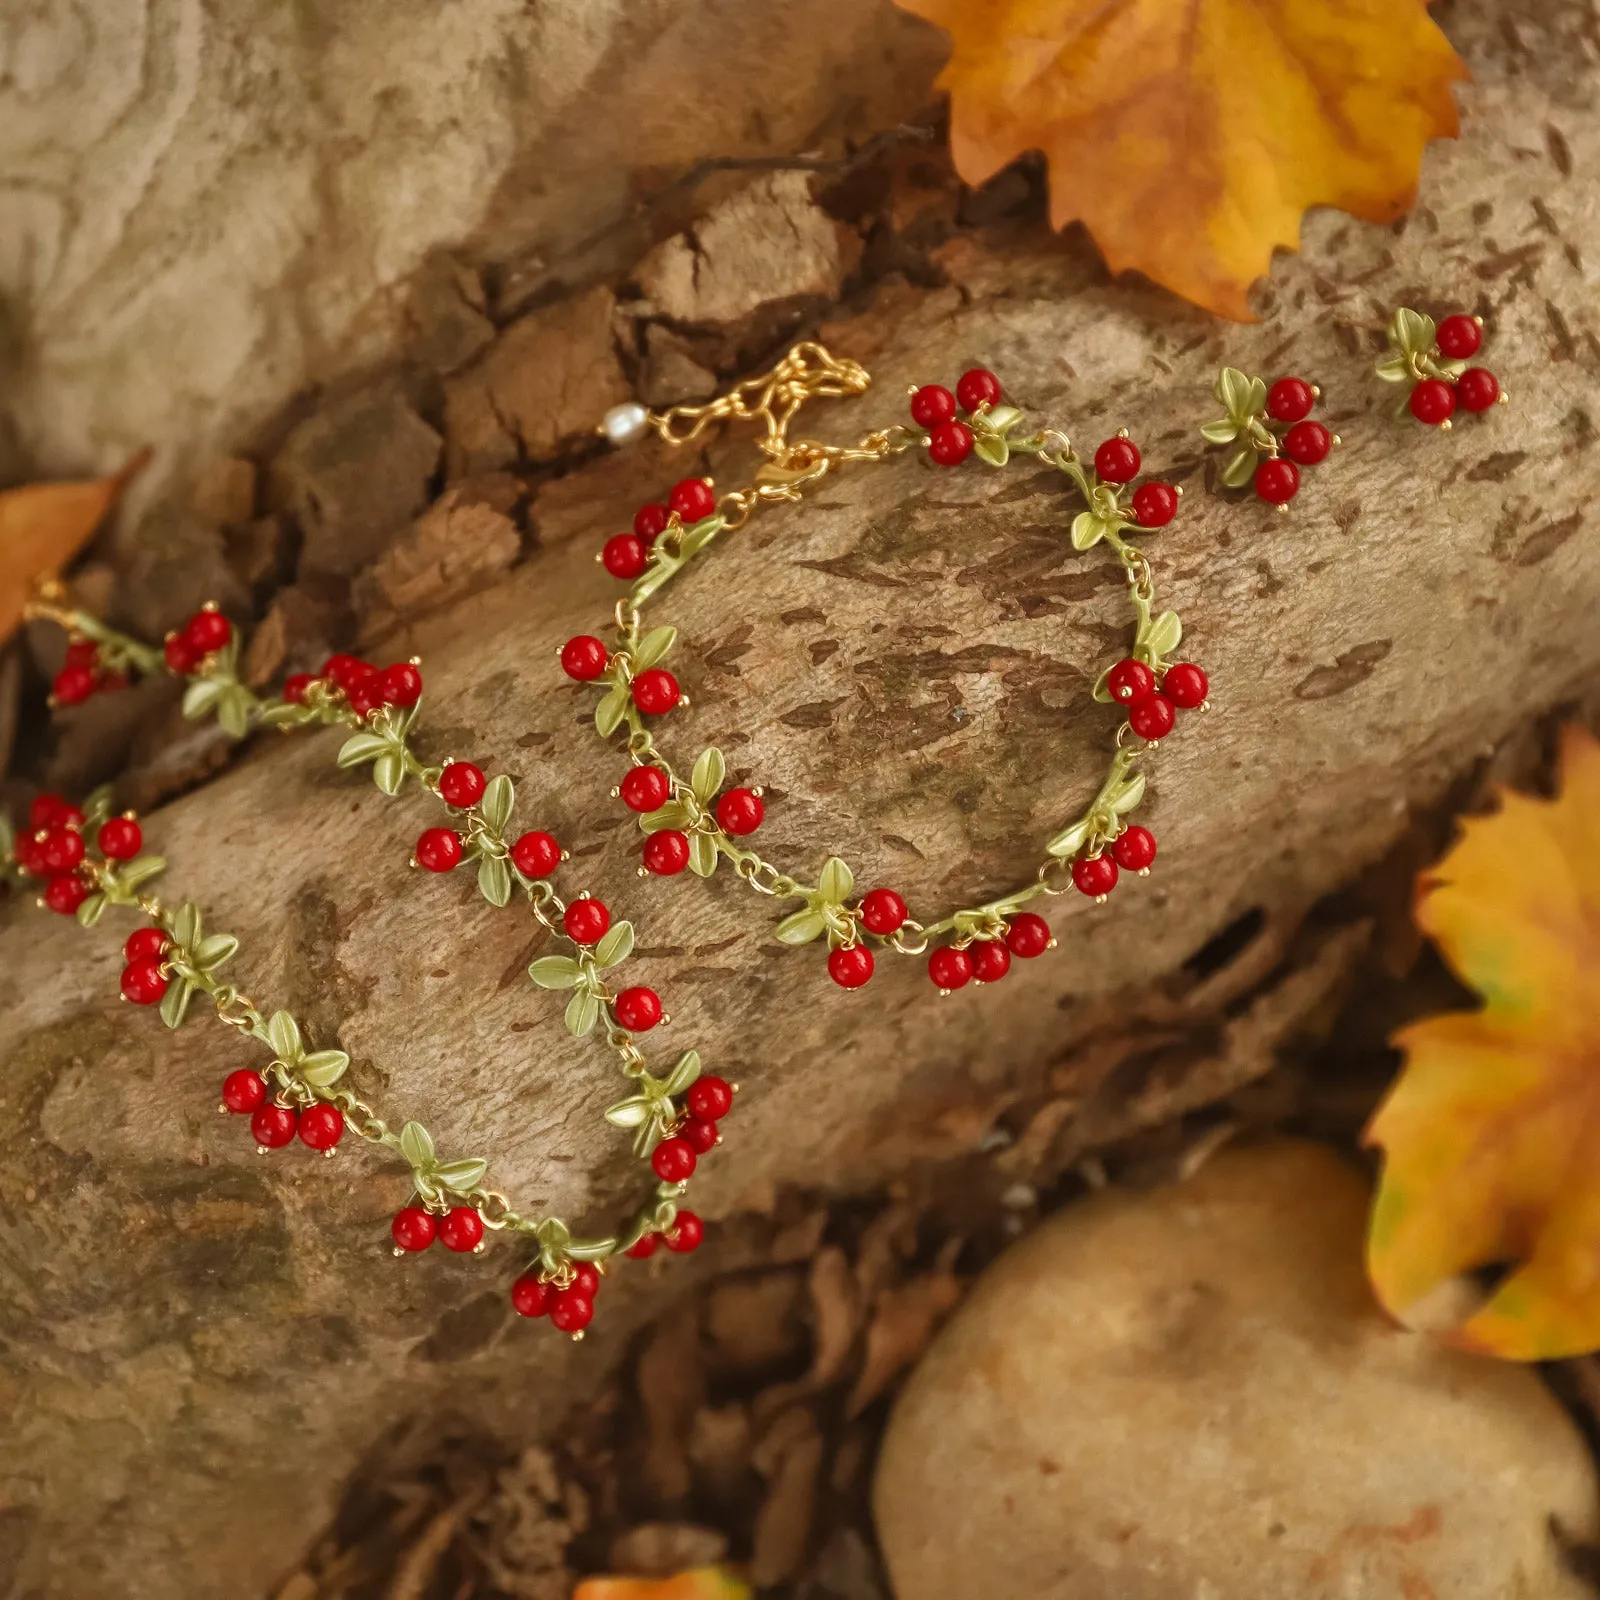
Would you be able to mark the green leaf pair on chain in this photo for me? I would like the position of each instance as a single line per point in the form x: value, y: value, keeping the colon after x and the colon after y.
x: 581, y: 973
x: 651, y: 1112
x: 616, y: 705
x: 690, y: 812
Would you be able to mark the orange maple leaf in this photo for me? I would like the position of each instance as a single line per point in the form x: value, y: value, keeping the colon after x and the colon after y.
x: 704, y: 1583
x: 1491, y: 1133
x: 1191, y: 135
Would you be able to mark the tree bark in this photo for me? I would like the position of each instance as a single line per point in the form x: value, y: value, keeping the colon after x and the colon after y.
x: 199, y: 1344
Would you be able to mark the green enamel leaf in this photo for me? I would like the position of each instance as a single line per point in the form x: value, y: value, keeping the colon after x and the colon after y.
x: 494, y: 880
x: 287, y: 714
x: 92, y: 910
x: 615, y: 947
x: 416, y: 1145
x: 612, y: 709
x: 323, y: 1067
x: 1223, y: 431
x: 140, y: 870
x: 97, y: 806
x: 1071, y: 840
x: 630, y: 1113
x: 186, y: 926
x: 709, y: 771
x: 1087, y: 530
x: 835, y: 881
x: 175, y: 1002
x: 1393, y: 369
x: 1239, y: 468
x: 555, y: 972
x: 702, y: 855
x: 583, y: 1009
x: 283, y: 1035
x: 1163, y: 635
x: 462, y: 1176
x: 360, y: 747
x: 1129, y: 795
x: 200, y: 697
x: 389, y: 771
x: 652, y: 647
x: 801, y: 927
x: 683, y: 1074
x: 214, y: 951
x: 234, y: 709
x: 998, y: 419
x: 1101, y: 692
x: 1412, y: 332
x: 989, y: 448
x: 672, y: 815
x: 498, y: 799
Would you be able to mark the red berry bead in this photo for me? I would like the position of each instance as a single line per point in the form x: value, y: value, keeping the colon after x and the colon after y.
x: 740, y: 811
x: 1155, y: 504
x: 400, y: 684
x: 1130, y: 681
x: 82, y: 653
x: 710, y: 1098
x: 530, y: 1297
x: 146, y: 944
x: 950, y: 968
x: 365, y: 695
x: 120, y: 839
x: 1433, y: 401
x: 655, y: 691
x: 178, y: 655
x: 584, y: 658
x: 1152, y: 718
x: 72, y: 686
x: 27, y: 854
x: 1094, y: 875
x: 461, y: 785
x: 295, y: 686
x: 1117, y: 460
x: 51, y: 811
x: 207, y: 631
x: 883, y: 911
x: 1290, y: 399
x: 932, y: 405
x: 1277, y: 481
x: 1028, y: 935
x: 693, y: 499
x: 321, y: 1126
x: 272, y: 1125
x: 991, y: 960
x: 438, y: 850
x: 585, y: 1279
x: 1458, y: 337
x: 143, y: 982
x: 243, y: 1091
x: 586, y: 921
x: 1308, y: 443
x: 1134, y: 848
x: 461, y: 1229
x: 1477, y: 389
x: 66, y: 893
x: 850, y: 966
x: 535, y: 855
x: 702, y: 1136
x: 646, y: 789
x: 342, y: 670
x: 643, y: 1247
x: 649, y: 522
x: 638, y: 1009
x: 950, y: 444
x: 1185, y: 685
x: 414, y: 1228
x: 977, y: 387
x: 666, y: 853
x: 570, y: 1311
x: 674, y: 1160
x: 624, y: 556
x: 61, y: 849
x: 686, y: 1233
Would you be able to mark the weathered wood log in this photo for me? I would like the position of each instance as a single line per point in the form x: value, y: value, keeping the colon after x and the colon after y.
x: 200, y: 1344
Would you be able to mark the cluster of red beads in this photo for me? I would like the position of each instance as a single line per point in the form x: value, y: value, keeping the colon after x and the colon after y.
x: 364, y: 686
x: 988, y: 960
x: 461, y: 785
x: 882, y: 912
x: 646, y: 789
x: 205, y: 633
x: 1117, y: 461
x: 1131, y: 851
x: 706, y: 1103
x: 569, y: 1305
x: 1153, y: 706
x: 625, y: 556
x: 1433, y: 401
x: 655, y: 691
x: 81, y: 675
x: 1306, y: 443
x: 415, y: 1228
x: 52, y: 849
x: 934, y: 407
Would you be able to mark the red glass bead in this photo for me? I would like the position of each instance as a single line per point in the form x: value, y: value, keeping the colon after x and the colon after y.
x: 66, y: 893
x: 638, y: 1009
x: 1433, y: 401
x: 321, y: 1126
x: 586, y: 921
x: 740, y: 811
x: 685, y: 1233
x: 461, y: 784
x: 535, y: 855
x: 530, y: 1297
x: 666, y: 853
x: 365, y: 695
x: 438, y: 850
x: 1458, y: 337
x: 243, y: 1091
x: 674, y: 1160
x: 643, y: 1247
x: 207, y: 631
x: 295, y: 686
x: 650, y: 521
x: 1028, y: 935
x: 977, y: 387
x: 883, y: 911
x: 1117, y: 460
x: 1277, y: 481
x: 414, y: 1228
x: 72, y: 686
x: 624, y: 556
x: 178, y: 655
x: 1290, y: 399
x: 1308, y: 443
x: 1477, y: 389
x: 1130, y: 681
x: 342, y: 670
x: 1152, y: 717
x: 120, y: 839
x: 82, y: 653
x: 584, y: 658
x: 400, y: 684
x: 1185, y: 685
x: 26, y: 853
x: 709, y: 1098
x: 51, y: 811
x: 851, y: 965
x: 272, y: 1125
x: 646, y: 789
x: 570, y: 1311
x: 950, y: 444
x: 146, y: 944
x: 1155, y: 504
x: 1094, y: 875
x: 933, y: 404
x: 1134, y: 848
x: 61, y: 849
x: 461, y: 1229
x: 655, y: 691
x: 702, y: 1136
x: 693, y: 499
x: 950, y: 968
x: 991, y: 960
x: 143, y: 982
x: 585, y: 1278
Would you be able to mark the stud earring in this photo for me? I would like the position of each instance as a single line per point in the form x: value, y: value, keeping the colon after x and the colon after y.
x: 1433, y: 360
x: 1272, y: 430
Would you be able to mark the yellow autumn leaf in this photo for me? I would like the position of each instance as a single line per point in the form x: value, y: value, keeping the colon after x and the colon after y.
x: 1491, y: 1133
x: 704, y: 1583
x: 1190, y: 135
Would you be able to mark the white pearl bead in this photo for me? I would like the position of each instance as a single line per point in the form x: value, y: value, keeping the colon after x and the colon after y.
x: 623, y: 424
